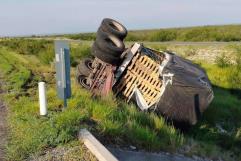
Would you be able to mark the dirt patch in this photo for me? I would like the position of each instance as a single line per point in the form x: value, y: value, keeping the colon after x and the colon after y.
x: 3, y: 126
x: 76, y: 153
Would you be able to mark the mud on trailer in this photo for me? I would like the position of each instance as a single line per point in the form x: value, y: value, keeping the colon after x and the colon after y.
x: 155, y: 80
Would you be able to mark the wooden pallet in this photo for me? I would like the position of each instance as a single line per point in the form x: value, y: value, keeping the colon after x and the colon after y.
x: 143, y: 73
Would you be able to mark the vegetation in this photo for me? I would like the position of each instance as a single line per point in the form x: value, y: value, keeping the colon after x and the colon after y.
x: 224, y: 33
x: 110, y: 118
x: 217, y: 135
x: 44, y: 49
x: 82, y: 36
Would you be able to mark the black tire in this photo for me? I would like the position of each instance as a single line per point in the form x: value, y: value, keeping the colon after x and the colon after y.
x: 109, y: 43
x: 82, y: 80
x: 105, y: 57
x: 113, y: 27
x: 85, y: 67
x: 104, y: 46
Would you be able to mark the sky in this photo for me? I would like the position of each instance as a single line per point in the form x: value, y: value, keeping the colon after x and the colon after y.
x: 37, y: 17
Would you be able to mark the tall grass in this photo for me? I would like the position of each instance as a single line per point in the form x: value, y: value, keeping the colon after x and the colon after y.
x: 44, y: 49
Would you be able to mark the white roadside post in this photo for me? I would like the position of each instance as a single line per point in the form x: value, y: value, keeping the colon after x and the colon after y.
x: 42, y: 99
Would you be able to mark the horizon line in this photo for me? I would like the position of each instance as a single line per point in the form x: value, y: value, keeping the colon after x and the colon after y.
x: 89, y: 32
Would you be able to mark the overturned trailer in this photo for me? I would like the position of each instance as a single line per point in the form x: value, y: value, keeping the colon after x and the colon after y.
x: 159, y: 81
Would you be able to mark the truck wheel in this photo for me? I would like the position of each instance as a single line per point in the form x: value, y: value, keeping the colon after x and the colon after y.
x: 85, y: 67
x: 105, y: 57
x: 113, y: 27
x: 82, y: 80
x: 109, y: 43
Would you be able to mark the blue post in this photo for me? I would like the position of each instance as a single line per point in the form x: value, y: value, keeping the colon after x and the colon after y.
x: 63, y: 81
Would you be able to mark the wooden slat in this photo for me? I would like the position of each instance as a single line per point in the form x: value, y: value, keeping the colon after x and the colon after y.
x: 143, y: 73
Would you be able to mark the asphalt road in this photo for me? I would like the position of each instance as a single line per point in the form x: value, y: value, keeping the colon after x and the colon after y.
x: 125, y: 155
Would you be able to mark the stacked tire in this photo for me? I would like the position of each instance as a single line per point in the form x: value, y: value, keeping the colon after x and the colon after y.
x: 109, y: 45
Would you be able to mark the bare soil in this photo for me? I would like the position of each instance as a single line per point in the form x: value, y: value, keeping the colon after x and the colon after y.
x: 76, y: 153
x: 3, y: 126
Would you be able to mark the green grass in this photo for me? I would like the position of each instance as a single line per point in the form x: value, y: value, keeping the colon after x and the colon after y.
x: 43, y: 49
x: 17, y: 74
x: 221, y: 122
x: 110, y: 119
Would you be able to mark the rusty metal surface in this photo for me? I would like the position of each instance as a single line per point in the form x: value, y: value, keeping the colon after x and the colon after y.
x: 103, y: 78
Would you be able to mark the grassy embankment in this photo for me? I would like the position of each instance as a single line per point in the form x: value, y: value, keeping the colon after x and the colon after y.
x: 109, y: 119
x: 218, y: 134
x: 224, y: 33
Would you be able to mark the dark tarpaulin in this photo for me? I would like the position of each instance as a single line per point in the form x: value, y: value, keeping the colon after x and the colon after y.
x: 189, y: 94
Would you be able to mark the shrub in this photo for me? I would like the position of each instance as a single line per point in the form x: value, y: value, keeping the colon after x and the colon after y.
x: 223, y: 61
x: 234, y: 77
x: 78, y: 52
x: 163, y: 35
x: 27, y: 46
x: 82, y: 36
x: 46, y: 56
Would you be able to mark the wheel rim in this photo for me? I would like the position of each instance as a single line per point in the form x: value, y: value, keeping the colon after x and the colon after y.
x: 83, y: 81
x: 89, y: 65
x: 116, y: 26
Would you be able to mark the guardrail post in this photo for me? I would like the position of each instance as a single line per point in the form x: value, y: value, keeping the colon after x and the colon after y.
x: 42, y: 99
